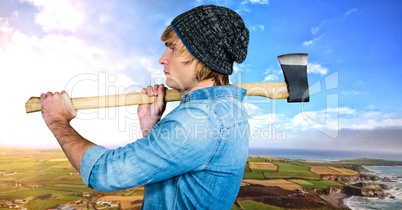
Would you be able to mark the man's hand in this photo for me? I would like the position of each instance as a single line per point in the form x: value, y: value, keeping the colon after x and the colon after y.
x: 58, y: 111
x: 57, y: 108
x: 150, y: 114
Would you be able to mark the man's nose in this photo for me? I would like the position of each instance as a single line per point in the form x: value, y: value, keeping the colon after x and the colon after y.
x: 163, y: 60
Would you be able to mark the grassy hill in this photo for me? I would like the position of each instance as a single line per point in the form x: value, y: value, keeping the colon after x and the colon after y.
x: 371, y: 162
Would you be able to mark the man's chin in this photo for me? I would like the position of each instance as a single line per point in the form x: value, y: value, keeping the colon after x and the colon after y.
x: 172, y: 84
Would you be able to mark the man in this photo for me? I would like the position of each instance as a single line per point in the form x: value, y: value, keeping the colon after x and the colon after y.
x: 194, y: 157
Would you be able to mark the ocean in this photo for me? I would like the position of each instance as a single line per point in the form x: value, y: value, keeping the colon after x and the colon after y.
x: 361, y: 203
x: 354, y: 202
x: 324, y: 155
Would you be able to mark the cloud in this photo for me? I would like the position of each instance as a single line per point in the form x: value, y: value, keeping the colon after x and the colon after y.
x: 62, y: 15
x: 345, y: 118
x: 315, y: 68
x: 257, y: 28
x: 271, y: 74
x: 316, y: 29
x: 262, y: 2
x: 337, y: 128
x: 313, y: 41
x: 84, y: 59
x: 271, y: 77
x: 351, y: 11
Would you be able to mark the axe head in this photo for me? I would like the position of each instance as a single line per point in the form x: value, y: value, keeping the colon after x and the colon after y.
x: 294, y: 67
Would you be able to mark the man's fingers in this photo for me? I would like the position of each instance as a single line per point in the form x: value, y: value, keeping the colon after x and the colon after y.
x: 149, y: 91
x: 152, y: 90
x: 161, y: 92
x: 70, y: 106
x: 156, y: 90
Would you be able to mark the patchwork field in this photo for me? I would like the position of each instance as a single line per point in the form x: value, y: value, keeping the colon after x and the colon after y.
x: 327, y: 170
x: 313, y: 184
x: 262, y: 166
x: 41, y: 179
x: 282, y: 183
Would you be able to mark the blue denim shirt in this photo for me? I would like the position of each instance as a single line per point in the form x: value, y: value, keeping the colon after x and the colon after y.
x: 194, y: 157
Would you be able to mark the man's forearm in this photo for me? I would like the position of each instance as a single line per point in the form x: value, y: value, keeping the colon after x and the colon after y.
x: 72, y: 143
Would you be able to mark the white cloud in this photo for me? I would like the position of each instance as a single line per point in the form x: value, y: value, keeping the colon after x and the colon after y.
x: 315, y: 68
x: 238, y: 70
x: 263, y: 2
x: 344, y: 118
x: 16, y: 14
x: 315, y: 29
x: 272, y: 74
x: 61, y: 15
x: 58, y: 59
x: 257, y: 28
x: 271, y: 77
x: 351, y: 11
x: 105, y: 19
x: 313, y: 41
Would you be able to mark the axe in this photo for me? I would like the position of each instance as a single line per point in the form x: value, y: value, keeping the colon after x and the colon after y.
x: 294, y: 89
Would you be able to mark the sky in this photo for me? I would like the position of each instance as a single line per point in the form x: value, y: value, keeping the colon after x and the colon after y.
x: 91, y: 48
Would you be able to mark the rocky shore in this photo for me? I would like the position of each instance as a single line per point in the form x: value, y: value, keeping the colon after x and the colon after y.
x: 363, y: 183
x: 313, y: 199
x: 367, y: 190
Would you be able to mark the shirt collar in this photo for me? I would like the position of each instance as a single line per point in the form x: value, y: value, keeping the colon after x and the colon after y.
x: 214, y: 92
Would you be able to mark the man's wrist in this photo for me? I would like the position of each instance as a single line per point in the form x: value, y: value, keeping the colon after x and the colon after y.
x: 57, y: 124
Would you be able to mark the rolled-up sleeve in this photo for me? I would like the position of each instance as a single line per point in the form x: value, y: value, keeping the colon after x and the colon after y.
x: 109, y: 170
x: 171, y: 148
x: 91, y: 156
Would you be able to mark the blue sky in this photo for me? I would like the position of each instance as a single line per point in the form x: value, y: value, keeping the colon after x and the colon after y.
x: 107, y: 47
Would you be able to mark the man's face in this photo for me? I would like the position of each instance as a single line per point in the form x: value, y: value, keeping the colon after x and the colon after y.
x: 179, y: 76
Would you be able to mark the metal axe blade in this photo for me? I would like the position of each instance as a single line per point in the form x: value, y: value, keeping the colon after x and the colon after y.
x: 294, y: 67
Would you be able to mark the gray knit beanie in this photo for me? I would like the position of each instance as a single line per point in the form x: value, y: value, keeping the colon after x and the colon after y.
x: 214, y: 35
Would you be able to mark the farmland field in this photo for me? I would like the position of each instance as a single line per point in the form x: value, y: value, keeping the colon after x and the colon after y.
x: 345, y: 171
x: 41, y: 179
x: 313, y: 184
x: 291, y: 171
x: 324, y: 170
x: 262, y: 166
x: 284, y: 184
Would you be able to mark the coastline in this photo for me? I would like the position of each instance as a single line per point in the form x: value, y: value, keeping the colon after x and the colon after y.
x: 323, y: 155
x: 270, y: 181
x: 337, y: 200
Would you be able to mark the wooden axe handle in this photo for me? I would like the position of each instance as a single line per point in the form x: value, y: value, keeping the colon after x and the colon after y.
x: 273, y: 90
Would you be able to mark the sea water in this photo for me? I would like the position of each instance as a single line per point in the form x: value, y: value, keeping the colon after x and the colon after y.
x: 354, y: 202
x: 324, y: 155
x: 363, y: 203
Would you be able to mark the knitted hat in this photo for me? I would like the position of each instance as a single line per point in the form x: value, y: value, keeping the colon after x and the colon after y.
x: 214, y: 35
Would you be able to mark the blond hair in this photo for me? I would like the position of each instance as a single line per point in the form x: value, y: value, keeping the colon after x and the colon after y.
x: 203, y: 72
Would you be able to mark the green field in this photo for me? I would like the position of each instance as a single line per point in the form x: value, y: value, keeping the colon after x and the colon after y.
x: 45, y: 176
x: 46, y: 179
x: 286, y: 170
x: 253, y: 205
x: 313, y: 184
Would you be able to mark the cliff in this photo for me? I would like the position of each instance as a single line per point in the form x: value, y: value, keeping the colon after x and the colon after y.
x: 366, y: 189
x: 347, y: 179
